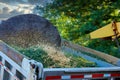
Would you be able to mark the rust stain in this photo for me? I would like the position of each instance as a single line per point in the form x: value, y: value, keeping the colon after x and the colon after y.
x: 14, y: 55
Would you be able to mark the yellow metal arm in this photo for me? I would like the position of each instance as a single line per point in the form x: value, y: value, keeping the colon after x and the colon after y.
x: 106, y: 31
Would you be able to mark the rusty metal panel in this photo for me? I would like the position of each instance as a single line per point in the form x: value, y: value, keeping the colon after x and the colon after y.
x: 11, y: 53
x: 118, y: 27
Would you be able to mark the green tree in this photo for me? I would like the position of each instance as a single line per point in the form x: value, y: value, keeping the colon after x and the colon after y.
x: 75, y: 19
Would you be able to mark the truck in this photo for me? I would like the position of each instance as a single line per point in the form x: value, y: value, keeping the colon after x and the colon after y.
x: 16, y: 66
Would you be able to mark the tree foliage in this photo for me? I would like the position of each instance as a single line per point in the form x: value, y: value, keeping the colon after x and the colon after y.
x: 75, y: 19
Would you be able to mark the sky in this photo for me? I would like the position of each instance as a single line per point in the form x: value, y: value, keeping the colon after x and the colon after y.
x: 10, y: 8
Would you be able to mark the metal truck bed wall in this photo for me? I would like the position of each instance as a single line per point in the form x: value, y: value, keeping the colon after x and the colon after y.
x: 14, y: 66
x: 112, y: 73
x: 76, y: 47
